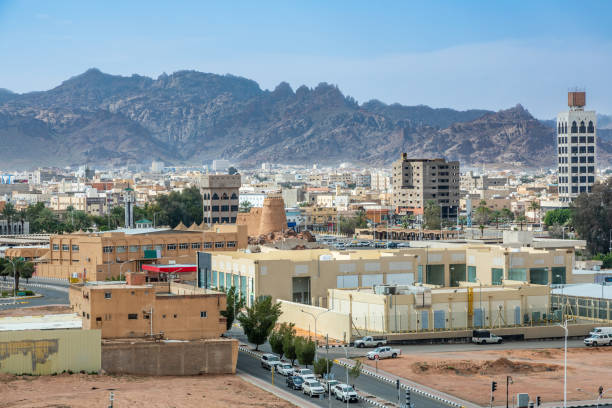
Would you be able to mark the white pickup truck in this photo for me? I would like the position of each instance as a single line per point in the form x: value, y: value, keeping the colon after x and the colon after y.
x: 369, y: 341
x: 383, y: 352
x: 485, y: 336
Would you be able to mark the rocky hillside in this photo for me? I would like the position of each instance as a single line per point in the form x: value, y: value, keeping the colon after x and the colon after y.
x: 191, y: 116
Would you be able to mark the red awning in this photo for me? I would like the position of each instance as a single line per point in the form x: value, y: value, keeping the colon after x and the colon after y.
x: 169, y: 268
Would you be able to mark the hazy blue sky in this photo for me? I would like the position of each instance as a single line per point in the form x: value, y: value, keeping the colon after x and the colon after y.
x: 461, y: 54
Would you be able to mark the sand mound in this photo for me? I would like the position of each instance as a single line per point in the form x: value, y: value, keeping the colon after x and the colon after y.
x: 490, y: 367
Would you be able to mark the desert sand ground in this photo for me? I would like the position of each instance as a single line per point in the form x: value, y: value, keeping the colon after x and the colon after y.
x: 91, y: 391
x: 468, y: 375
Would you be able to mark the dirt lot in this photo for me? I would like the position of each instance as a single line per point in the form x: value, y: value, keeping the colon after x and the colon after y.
x: 90, y: 391
x: 468, y: 375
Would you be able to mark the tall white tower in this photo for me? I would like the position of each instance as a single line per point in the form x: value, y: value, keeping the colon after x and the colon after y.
x: 576, y: 148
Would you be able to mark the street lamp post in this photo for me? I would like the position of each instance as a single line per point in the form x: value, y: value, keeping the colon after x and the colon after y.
x: 347, y: 375
x: 508, y: 382
x: 564, y: 326
x: 315, y: 317
x: 480, y: 301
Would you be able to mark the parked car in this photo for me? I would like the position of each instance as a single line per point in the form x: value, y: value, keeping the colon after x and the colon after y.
x: 312, y: 388
x: 598, y: 340
x: 601, y: 330
x: 304, y: 373
x: 391, y: 245
x: 294, y: 382
x: 485, y: 336
x: 380, y: 353
x: 329, y: 384
x: 403, y: 245
x: 369, y: 341
x: 345, y: 393
x: 285, y: 369
x: 268, y: 361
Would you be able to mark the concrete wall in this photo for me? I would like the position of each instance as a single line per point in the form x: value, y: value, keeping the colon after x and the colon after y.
x: 45, y: 352
x: 218, y: 356
x: 334, y: 324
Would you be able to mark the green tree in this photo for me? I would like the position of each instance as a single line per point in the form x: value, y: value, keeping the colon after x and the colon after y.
x: 534, y: 206
x: 259, y: 320
x: 245, y: 207
x: 323, y: 366
x: 305, y: 349
x: 521, y: 219
x: 18, y: 267
x: 559, y: 216
x: 606, y: 258
x: 355, y: 371
x: 232, y: 170
x: 507, y: 214
x: 9, y: 213
x: 278, y: 336
x: 289, y: 348
x: 482, y: 214
x: 592, y: 217
x: 4, y: 272
x: 235, y: 303
x: 431, y: 215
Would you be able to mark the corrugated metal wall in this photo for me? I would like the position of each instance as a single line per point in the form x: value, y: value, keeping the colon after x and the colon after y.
x: 44, y: 352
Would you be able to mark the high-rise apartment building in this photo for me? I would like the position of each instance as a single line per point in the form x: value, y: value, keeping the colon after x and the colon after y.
x: 576, y: 148
x: 220, y: 196
x: 416, y: 181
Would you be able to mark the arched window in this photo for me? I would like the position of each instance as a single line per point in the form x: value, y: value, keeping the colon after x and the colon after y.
x: 215, y: 196
x: 574, y: 127
x: 234, y: 196
x: 582, y: 127
x: 224, y: 196
x: 591, y: 128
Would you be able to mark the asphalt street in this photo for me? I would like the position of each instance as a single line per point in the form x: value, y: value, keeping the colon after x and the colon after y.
x: 52, y: 294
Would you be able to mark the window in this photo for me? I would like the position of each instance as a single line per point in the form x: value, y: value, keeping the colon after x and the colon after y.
x: 591, y: 159
x: 231, y: 244
x: 591, y: 128
x: 234, y: 208
x: 183, y: 245
x: 107, y: 295
x: 215, y: 196
x: 574, y: 169
x: 591, y: 149
x: 215, y: 208
x: 582, y: 139
x: 582, y: 127
x: 591, y: 139
x: 538, y: 276
x: 471, y: 274
x: 224, y: 196
x: 171, y: 247
x: 55, y: 247
x: 175, y: 316
x: 195, y: 245
x: 65, y: 247
x: 75, y: 248
x: 98, y: 319
x: 121, y: 249
x: 132, y: 316
x: 497, y: 274
x: 133, y: 248
x: 219, y: 244
x: 203, y: 314
x: 207, y: 245
x: 107, y: 249
x: 574, y: 129
x: 234, y: 196
x: 225, y: 208
x: 518, y: 274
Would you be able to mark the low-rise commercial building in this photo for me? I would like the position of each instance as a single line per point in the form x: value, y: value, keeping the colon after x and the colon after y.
x: 167, y: 310
x: 106, y: 255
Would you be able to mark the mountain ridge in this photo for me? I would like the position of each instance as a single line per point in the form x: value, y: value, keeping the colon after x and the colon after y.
x: 191, y: 116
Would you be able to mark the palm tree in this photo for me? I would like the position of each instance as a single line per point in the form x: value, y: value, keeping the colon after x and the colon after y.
x: 534, y: 206
x: 18, y: 267
x: 9, y: 212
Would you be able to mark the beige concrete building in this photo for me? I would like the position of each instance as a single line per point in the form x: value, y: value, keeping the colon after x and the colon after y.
x: 416, y: 181
x: 305, y: 276
x: 417, y: 308
x: 220, y: 194
x: 168, y: 310
x: 101, y: 256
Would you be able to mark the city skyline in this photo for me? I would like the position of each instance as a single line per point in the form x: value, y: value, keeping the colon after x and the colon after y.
x: 472, y: 55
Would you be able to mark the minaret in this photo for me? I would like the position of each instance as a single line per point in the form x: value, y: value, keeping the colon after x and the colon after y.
x: 576, y: 148
x: 128, y: 200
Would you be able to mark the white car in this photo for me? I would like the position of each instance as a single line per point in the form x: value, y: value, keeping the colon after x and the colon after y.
x: 285, y: 369
x: 304, y: 373
x: 345, y: 393
x: 383, y: 352
x: 312, y: 388
x: 268, y: 361
x: 485, y: 336
x: 598, y: 340
x: 329, y: 384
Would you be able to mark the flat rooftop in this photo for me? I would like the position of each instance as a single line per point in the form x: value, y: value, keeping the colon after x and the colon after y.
x: 44, y: 322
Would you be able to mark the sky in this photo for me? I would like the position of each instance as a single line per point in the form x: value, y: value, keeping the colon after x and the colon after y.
x: 458, y: 54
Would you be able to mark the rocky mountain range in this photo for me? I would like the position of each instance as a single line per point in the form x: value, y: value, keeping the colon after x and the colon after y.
x: 191, y: 117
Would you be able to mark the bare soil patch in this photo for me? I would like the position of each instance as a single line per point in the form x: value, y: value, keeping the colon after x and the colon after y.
x: 91, y: 391
x: 468, y: 374
x: 36, y: 311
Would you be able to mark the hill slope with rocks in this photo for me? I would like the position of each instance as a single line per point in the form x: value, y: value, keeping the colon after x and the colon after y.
x: 190, y: 117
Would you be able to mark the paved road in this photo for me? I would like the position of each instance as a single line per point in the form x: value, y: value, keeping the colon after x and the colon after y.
x: 51, y: 295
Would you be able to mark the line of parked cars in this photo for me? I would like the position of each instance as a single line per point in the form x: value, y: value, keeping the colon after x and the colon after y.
x: 600, y: 336
x: 305, y: 380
